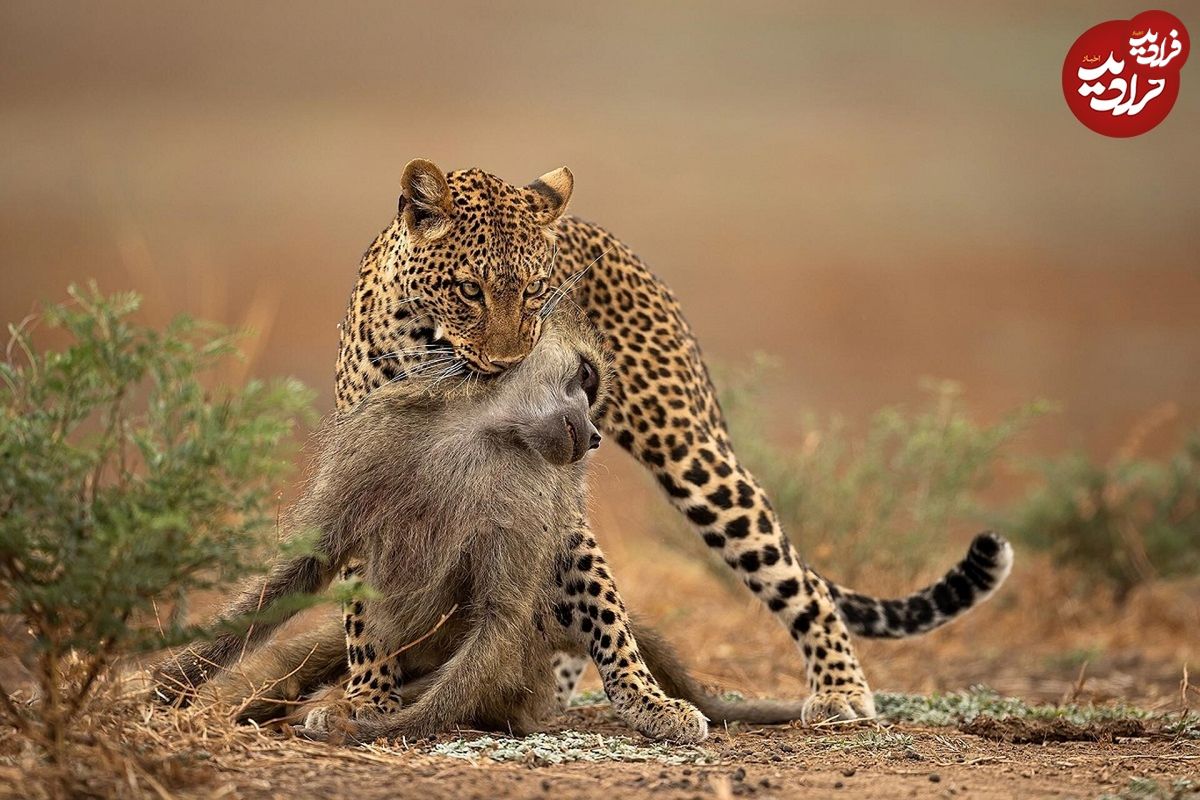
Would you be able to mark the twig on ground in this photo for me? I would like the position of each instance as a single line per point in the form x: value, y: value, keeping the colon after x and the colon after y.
x: 1076, y: 690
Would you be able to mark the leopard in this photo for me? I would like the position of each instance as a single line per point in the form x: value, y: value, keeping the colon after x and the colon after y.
x: 460, y: 282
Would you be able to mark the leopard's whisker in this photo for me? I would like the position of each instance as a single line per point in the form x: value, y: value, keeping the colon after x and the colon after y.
x: 567, y: 286
x: 424, y: 350
x: 414, y: 320
x: 425, y: 368
x: 449, y: 372
x: 428, y: 350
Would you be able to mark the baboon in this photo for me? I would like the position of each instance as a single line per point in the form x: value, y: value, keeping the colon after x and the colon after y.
x: 465, y: 504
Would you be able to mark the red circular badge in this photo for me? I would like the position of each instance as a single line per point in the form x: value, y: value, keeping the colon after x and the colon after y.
x: 1121, y: 77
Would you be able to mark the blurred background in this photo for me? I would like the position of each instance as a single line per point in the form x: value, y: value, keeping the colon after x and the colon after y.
x: 872, y: 195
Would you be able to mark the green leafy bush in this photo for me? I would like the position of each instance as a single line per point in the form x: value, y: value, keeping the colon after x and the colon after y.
x: 885, y: 495
x: 1121, y: 523
x: 122, y: 480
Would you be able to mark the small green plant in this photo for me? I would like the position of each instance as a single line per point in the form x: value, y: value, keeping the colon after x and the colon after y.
x: 1122, y: 523
x: 1150, y: 789
x: 883, y: 496
x: 953, y: 708
x: 878, y: 741
x: 1072, y: 659
x: 123, y: 480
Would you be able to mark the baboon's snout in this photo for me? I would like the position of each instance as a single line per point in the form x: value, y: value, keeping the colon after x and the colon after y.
x: 567, y: 435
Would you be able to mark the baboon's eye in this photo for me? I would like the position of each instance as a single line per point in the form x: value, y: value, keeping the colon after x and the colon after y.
x: 589, y: 379
x: 470, y: 290
x: 535, y: 289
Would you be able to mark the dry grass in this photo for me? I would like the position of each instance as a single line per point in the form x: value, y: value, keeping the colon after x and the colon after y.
x: 120, y: 746
x: 128, y: 748
x: 124, y: 745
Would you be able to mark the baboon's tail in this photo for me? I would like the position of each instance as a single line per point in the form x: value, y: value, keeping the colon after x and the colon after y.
x: 677, y: 681
x: 969, y: 583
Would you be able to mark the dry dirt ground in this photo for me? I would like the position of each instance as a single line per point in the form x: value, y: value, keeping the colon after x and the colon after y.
x: 781, y: 762
x: 1039, y: 641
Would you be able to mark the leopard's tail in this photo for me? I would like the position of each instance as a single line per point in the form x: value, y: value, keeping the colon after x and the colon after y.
x: 675, y: 679
x: 969, y: 583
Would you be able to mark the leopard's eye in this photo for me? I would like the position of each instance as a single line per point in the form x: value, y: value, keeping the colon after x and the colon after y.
x: 470, y: 290
x: 535, y: 289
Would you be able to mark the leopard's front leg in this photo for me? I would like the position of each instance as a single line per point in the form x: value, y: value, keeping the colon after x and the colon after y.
x: 593, y: 617
x: 373, y: 688
x: 665, y: 413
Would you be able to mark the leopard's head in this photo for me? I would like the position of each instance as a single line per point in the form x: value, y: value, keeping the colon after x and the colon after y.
x: 476, y: 254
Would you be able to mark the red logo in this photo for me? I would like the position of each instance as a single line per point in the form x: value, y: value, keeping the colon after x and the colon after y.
x: 1121, y: 77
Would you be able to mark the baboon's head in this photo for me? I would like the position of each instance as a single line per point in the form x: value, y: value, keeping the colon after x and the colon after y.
x: 549, y: 403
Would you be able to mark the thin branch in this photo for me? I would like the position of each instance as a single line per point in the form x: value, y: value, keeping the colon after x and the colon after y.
x: 259, y: 693
x: 427, y: 634
x: 100, y: 662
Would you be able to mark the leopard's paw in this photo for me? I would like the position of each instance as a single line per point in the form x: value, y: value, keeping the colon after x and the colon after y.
x: 670, y: 720
x: 844, y: 705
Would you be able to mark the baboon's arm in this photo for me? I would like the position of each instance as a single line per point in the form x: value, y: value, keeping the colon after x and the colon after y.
x: 176, y: 676
x: 267, y: 685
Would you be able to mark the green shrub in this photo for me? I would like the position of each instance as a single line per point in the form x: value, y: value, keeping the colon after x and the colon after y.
x: 122, y: 480
x: 1121, y: 523
x: 885, y: 495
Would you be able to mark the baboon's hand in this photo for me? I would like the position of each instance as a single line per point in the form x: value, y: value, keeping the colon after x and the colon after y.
x: 311, y: 734
x: 325, y: 718
x: 671, y: 720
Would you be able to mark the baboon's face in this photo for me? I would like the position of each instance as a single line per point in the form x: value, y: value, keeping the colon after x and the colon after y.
x: 549, y: 400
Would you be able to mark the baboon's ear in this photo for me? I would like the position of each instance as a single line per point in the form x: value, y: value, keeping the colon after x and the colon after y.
x: 551, y: 193
x: 425, y: 200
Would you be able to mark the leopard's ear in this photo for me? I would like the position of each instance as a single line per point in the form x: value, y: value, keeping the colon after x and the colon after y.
x: 425, y: 202
x: 550, y: 194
